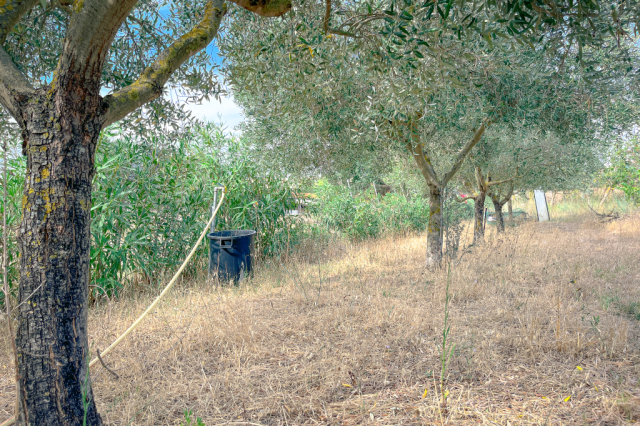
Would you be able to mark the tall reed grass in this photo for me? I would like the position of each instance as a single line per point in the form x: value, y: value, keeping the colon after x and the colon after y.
x: 152, y: 197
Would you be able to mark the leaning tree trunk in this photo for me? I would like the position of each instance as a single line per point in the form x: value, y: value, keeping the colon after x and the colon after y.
x: 434, y: 228
x: 497, y: 206
x: 60, y: 133
x: 478, y: 225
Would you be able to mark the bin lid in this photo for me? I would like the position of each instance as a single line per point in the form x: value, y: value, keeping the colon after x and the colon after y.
x: 230, y: 235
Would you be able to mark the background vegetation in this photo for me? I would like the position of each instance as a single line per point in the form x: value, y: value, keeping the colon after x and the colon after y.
x: 152, y: 197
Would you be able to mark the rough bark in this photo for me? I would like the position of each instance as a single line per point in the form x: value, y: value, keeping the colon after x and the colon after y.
x: 434, y: 228
x: 497, y: 206
x: 510, y: 209
x: 54, y: 240
x: 60, y: 125
x: 478, y: 217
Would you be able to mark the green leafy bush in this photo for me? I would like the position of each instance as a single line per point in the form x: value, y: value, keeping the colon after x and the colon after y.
x: 152, y: 198
x: 624, y: 172
x: 366, y: 215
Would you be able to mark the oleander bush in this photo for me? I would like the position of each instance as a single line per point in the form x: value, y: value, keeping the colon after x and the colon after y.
x: 152, y: 198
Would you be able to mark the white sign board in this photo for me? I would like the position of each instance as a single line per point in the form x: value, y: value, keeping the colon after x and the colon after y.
x: 541, y: 205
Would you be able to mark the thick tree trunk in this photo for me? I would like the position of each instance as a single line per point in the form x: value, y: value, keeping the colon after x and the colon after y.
x: 434, y: 229
x: 60, y: 134
x: 510, y: 208
x: 478, y: 225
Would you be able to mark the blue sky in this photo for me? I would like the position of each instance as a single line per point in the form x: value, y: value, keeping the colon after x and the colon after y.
x: 226, y: 111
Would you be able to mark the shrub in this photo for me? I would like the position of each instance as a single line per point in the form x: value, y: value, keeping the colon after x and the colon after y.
x: 366, y: 215
x: 16, y: 171
x: 151, y: 199
x: 624, y: 172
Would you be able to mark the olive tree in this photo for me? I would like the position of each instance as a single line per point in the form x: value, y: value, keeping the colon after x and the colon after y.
x: 334, y: 108
x: 517, y: 158
x: 56, y: 58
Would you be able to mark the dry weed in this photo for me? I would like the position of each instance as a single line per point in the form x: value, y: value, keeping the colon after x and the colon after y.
x: 545, y: 320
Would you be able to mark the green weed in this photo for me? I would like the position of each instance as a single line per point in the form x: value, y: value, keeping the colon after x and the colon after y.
x: 189, y: 421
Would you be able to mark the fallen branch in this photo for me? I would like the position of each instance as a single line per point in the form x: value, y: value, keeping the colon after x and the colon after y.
x: 604, y: 217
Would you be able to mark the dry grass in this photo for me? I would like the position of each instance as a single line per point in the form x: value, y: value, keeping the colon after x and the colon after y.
x: 349, y: 335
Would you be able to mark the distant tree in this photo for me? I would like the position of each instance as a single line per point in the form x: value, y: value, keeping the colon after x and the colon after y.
x: 333, y: 109
x: 519, y: 158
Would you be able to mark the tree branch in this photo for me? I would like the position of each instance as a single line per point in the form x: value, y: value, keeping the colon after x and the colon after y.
x: 480, y: 180
x: 266, y: 8
x: 495, y: 197
x: 508, y: 195
x: 14, y: 86
x: 463, y: 153
x: 465, y: 199
x: 327, y: 16
x: 499, y: 182
x: 424, y: 164
x: 150, y: 83
x: 325, y: 23
x: 92, y: 28
x: 422, y: 160
x: 12, y: 11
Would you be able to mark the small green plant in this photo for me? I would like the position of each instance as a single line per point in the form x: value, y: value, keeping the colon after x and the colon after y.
x: 608, y: 300
x: 595, y: 320
x: 632, y: 309
x: 189, y: 421
x: 446, y: 348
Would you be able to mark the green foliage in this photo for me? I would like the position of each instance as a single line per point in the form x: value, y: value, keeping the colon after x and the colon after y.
x: 15, y: 185
x: 624, y: 172
x: 152, y: 199
x: 150, y: 203
x: 189, y: 421
x: 326, y: 109
x: 365, y: 215
x: 36, y: 44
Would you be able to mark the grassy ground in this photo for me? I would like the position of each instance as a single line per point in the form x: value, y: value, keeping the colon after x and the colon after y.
x: 546, y: 323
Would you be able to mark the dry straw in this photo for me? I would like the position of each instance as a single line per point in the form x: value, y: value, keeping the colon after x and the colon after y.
x: 151, y: 307
x: 543, y: 319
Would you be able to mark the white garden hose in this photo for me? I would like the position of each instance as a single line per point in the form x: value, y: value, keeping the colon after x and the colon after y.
x: 166, y: 289
x: 155, y: 302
